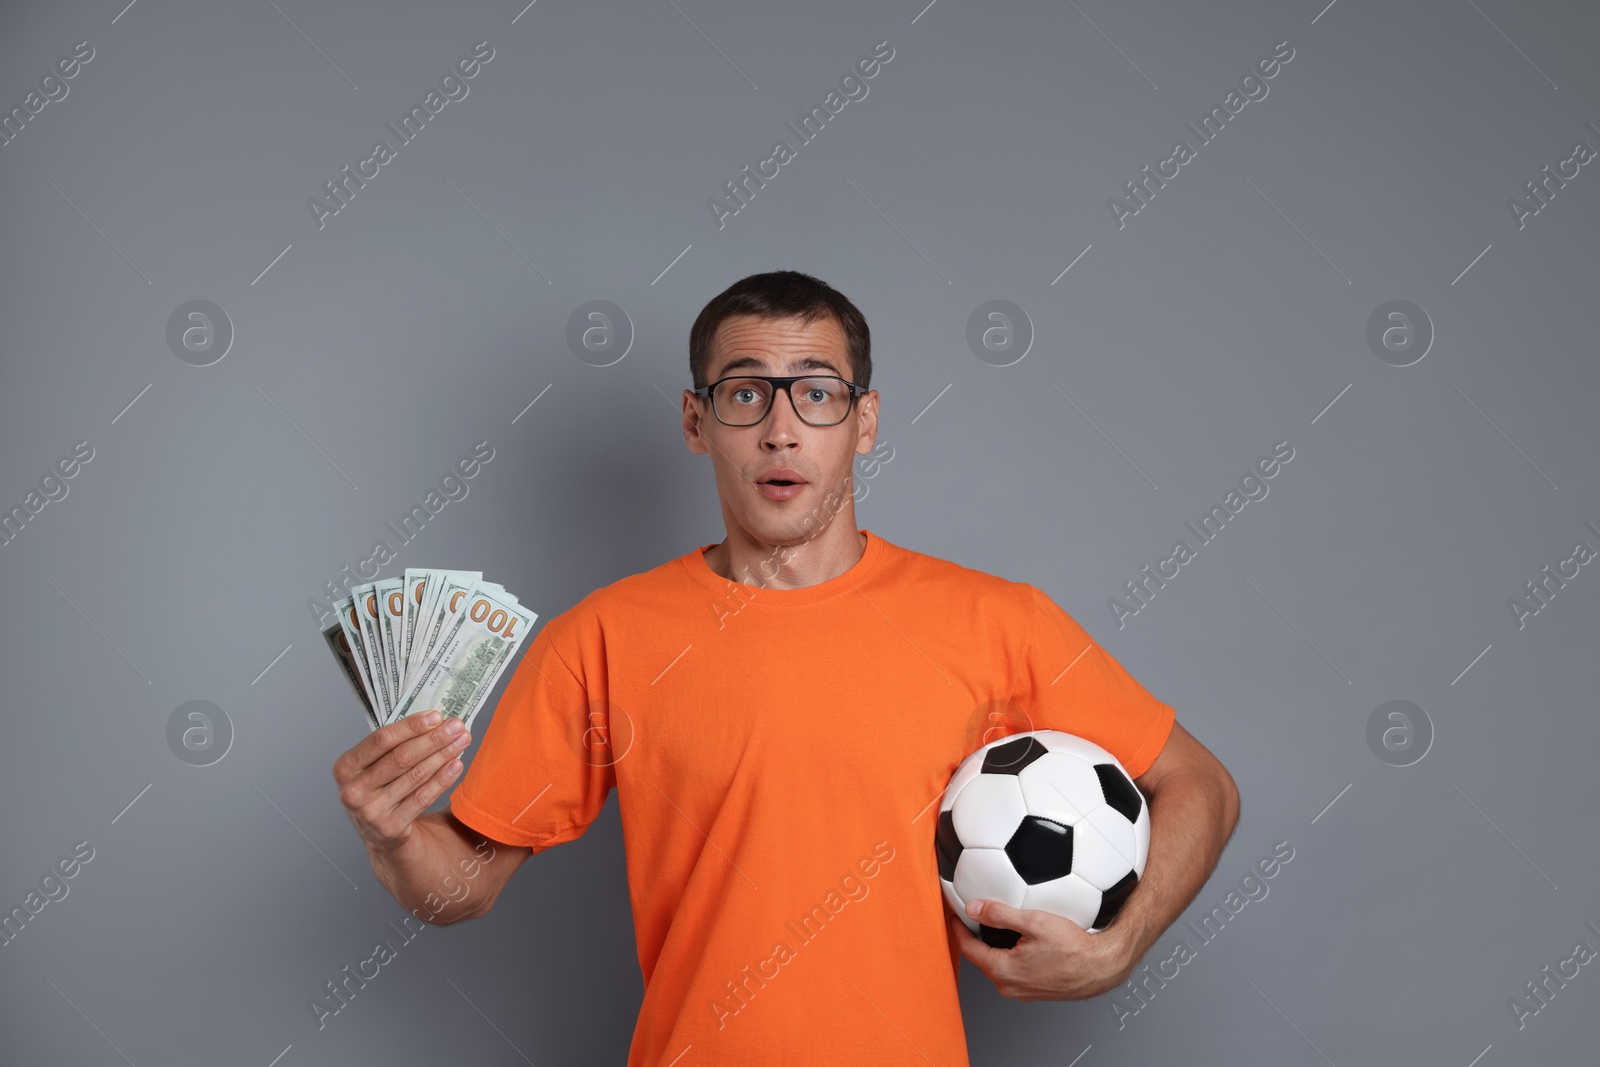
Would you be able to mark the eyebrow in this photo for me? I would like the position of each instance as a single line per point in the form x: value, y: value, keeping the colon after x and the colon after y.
x: 755, y: 362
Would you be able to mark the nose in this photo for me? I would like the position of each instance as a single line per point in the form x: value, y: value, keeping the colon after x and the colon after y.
x: 780, y: 428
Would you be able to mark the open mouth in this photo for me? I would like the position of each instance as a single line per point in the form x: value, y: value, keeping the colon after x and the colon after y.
x: 774, y: 486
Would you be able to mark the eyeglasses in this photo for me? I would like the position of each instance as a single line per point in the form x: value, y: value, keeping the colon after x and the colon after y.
x: 823, y: 400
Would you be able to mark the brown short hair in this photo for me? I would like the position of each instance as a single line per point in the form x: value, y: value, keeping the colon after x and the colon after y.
x: 782, y: 294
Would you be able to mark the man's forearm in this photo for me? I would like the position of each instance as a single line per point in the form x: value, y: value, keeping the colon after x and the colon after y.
x: 433, y: 874
x: 1192, y: 815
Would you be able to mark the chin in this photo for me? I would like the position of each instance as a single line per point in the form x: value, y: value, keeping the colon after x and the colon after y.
x: 781, y: 522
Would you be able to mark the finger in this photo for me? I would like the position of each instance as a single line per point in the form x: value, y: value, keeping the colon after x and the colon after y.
x: 1001, y: 914
x: 414, y: 777
x: 373, y: 747
x: 357, y: 792
x: 986, y: 958
x: 417, y: 802
x: 405, y: 756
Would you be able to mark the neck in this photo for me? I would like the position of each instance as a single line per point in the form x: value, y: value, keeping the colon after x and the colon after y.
x: 780, y: 565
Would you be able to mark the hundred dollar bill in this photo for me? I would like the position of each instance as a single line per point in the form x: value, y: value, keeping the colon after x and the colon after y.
x: 510, y: 635
x: 366, y: 599
x: 340, y: 645
x: 469, y: 657
x: 415, y: 585
x: 448, y: 589
x: 452, y: 587
x: 498, y: 590
x: 433, y: 579
x: 391, y: 599
x: 350, y: 627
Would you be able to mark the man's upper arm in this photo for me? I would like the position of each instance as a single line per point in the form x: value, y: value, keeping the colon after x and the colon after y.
x: 1183, y: 753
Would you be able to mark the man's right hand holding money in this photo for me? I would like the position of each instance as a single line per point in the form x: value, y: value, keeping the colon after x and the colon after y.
x: 386, y: 782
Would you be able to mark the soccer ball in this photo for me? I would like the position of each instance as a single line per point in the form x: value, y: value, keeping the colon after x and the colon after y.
x: 1044, y: 820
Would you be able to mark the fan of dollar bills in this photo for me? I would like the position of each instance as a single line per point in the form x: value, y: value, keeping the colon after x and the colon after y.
x: 432, y: 640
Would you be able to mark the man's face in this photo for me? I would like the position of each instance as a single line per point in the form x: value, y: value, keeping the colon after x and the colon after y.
x: 820, y: 457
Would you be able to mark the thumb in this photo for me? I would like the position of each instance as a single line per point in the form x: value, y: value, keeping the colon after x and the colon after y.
x: 999, y: 913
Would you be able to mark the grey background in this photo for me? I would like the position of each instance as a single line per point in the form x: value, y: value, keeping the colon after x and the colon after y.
x: 1226, y: 316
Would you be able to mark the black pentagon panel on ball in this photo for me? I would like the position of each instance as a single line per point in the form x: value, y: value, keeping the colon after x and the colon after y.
x: 1120, y: 793
x: 1040, y: 850
x: 947, y: 845
x: 1012, y: 756
x: 1112, y: 899
x: 998, y: 936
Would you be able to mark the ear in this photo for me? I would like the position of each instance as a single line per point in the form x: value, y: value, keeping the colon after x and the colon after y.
x: 867, y: 422
x: 692, y: 416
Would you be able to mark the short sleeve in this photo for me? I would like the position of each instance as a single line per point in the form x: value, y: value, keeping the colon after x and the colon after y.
x: 534, y: 781
x: 1071, y: 684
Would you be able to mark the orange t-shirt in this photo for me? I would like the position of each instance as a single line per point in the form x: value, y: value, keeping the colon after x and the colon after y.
x: 778, y: 756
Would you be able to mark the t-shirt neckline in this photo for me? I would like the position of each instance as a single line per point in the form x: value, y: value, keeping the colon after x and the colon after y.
x: 697, y: 567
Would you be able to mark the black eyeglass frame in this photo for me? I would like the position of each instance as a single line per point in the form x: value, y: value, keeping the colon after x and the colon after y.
x: 787, y: 384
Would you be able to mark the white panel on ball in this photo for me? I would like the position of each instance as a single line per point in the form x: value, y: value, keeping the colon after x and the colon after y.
x: 987, y: 874
x: 989, y: 810
x: 1061, y: 787
x: 1103, y: 848
x: 1071, y: 897
x: 965, y: 773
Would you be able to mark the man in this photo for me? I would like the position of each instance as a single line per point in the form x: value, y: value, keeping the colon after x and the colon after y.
x: 779, y: 714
